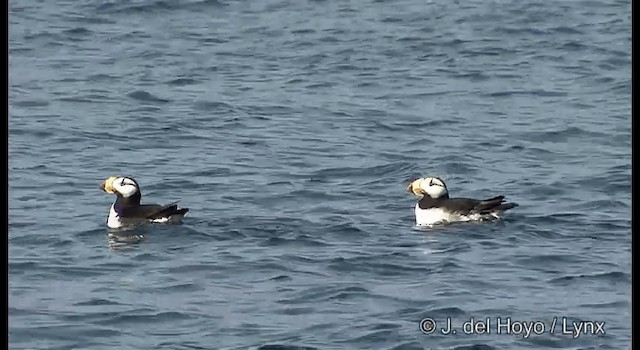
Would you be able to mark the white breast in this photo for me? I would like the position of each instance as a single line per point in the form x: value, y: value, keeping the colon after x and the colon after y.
x: 115, y: 221
x: 432, y: 216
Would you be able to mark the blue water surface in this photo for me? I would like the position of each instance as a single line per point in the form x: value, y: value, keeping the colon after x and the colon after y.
x: 290, y: 128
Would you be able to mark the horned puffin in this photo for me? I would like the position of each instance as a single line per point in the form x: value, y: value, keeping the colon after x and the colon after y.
x: 127, y: 210
x: 435, y: 206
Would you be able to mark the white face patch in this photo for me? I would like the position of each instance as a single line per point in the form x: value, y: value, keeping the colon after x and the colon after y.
x: 125, y: 186
x: 433, y: 187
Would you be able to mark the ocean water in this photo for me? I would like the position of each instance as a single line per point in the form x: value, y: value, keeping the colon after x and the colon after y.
x: 290, y: 129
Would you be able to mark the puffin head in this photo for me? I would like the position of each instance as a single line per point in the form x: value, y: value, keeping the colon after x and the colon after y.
x: 121, y: 186
x: 433, y: 187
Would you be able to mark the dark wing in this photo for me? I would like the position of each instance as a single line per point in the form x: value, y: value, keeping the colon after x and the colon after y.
x: 493, y: 204
x: 151, y: 211
x: 139, y: 211
x: 467, y: 205
x: 168, y: 210
x: 458, y: 205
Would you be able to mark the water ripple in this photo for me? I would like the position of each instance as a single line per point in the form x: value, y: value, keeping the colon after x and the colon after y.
x: 290, y: 130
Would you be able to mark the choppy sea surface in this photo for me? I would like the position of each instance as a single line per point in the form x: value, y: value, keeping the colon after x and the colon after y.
x: 290, y: 128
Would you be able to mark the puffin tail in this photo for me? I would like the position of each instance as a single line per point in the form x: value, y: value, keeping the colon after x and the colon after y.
x: 507, y: 206
x: 495, y: 204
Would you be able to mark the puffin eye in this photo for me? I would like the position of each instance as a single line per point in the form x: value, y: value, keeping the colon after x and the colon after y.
x: 436, y: 183
x: 122, y: 182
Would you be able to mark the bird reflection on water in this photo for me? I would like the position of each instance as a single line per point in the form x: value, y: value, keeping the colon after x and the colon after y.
x: 125, y: 239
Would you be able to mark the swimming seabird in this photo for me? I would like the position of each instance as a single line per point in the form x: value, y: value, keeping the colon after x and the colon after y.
x: 127, y: 210
x: 435, y: 206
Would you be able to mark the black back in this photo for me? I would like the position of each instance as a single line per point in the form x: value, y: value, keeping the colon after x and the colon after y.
x: 466, y: 205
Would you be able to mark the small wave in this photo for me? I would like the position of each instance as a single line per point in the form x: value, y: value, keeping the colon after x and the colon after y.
x: 145, y: 96
x: 88, y: 98
x: 182, y: 81
x: 540, y: 93
x: 280, y: 278
x: 411, y: 345
x: 346, y: 229
x: 474, y: 347
x: 391, y: 170
x: 300, y: 241
x: 317, y: 195
x: 52, y: 37
x: 175, y: 288
x: 296, y: 311
x: 132, y: 6
x: 566, y: 30
x: 612, y: 305
x: 30, y: 103
x: 209, y: 173
x: 320, y: 85
x: 551, y: 260
x: 102, y: 78
x: 562, y: 135
x: 67, y: 333
x: 13, y: 50
x: 181, y: 344
x: 472, y: 76
x: 445, y: 312
x: 376, y: 266
x: 78, y: 31
x: 96, y: 302
x: 214, y: 41
x: 573, y: 46
x: 605, y: 204
x: 607, y: 277
x: 285, y: 347
x: 325, y: 293
x: 520, y: 31
x: 375, y: 338
x: 129, y: 318
x: 89, y: 19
